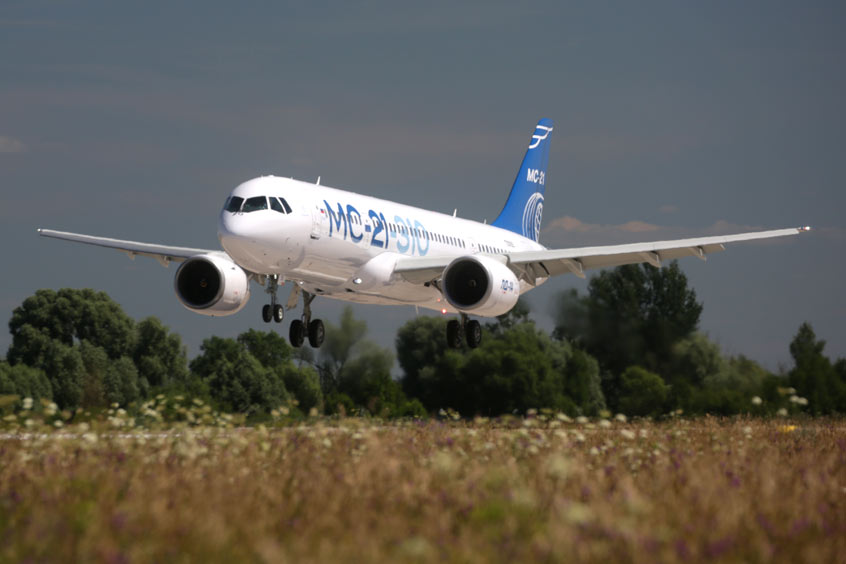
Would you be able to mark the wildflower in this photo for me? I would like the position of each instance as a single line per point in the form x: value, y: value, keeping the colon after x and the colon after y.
x: 621, y: 418
x: 604, y: 423
x: 27, y: 403
x: 782, y: 412
x: 581, y: 419
x: 757, y: 401
x: 627, y: 434
x: 563, y: 417
x: 58, y: 424
x: 594, y: 451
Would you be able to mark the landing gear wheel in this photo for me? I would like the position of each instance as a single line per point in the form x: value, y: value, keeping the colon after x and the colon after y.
x: 473, y: 333
x: 453, y: 334
x: 316, y: 332
x: 297, y: 333
x: 266, y: 313
x: 278, y: 313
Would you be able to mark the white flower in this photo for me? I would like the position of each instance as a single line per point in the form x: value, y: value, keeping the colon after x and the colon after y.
x: 757, y: 401
x: 27, y: 403
x: 782, y: 412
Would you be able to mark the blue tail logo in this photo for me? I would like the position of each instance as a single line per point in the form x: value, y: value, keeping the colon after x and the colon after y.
x: 524, y: 207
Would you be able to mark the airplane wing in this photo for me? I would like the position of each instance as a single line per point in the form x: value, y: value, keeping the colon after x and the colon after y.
x: 162, y: 253
x: 531, y: 265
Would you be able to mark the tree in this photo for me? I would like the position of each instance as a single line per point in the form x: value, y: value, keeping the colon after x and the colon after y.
x: 516, y: 367
x: 235, y: 379
x: 69, y: 316
x: 813, y: 375
x: 24, y: 381
x: 632, y: 315
x: 642, y: 392
x: 420, y: 343
x: 159, y: 355
x: 338, y: 347
x: 274, y: 353
x: 366, y: 379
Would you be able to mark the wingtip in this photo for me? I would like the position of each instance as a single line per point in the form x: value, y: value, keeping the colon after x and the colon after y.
x: 804, y: 228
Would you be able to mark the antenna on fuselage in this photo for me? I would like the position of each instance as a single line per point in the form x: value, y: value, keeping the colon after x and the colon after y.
x: 318, y: 181
x: 454, y: 212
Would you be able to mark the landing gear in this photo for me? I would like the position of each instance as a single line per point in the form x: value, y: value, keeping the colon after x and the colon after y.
x: 453, y: 334
x: 297, y: 333
x: 473, y: 333
x: 272, y: 311
x: 471, y: 329
x: 316, y: 331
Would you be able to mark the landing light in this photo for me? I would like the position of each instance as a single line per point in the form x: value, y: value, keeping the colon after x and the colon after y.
x: 443, y: 311
x: 356, y: 280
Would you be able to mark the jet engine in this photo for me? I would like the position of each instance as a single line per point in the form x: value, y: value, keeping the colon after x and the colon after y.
x: 212, y: 285
x: 480, y: 285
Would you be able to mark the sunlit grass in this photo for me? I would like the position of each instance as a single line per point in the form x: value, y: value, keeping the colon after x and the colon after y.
x: 190, y: 484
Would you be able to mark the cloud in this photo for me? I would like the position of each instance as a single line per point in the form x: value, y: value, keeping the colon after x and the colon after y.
x: 573, y: 225
x: 10, y: 145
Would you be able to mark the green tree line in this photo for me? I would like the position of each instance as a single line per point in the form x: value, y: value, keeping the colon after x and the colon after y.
x: 630, y: 345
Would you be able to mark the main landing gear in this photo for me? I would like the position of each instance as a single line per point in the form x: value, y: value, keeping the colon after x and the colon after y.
x: 276, y: 312
x: 316, y: 331
x: 471, y: 329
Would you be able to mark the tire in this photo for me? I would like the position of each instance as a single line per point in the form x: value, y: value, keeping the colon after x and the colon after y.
x: 473, y: 333
x: 297, y: 333
x: 453, y: 334
x: 316, y: 333
x: 278, y: 313
x: 266, y: 313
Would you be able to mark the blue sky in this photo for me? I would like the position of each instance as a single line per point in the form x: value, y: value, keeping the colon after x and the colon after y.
x: 672, y: 119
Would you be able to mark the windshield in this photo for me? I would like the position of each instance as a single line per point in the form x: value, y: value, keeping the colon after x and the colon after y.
x: 233, y: 204
x: 254, y: 204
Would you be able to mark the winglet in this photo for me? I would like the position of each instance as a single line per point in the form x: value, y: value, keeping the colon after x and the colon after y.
x: 524, y: 207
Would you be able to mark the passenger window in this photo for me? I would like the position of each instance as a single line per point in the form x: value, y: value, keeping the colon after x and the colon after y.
x: 254, y: 204
x: 233, y: 204
x: 275, y: 205
x: 285, y: 205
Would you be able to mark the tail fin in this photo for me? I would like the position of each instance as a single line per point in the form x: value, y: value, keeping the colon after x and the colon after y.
x: 524, y: 207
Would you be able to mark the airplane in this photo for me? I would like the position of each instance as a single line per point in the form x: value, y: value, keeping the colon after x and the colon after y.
x: 352, y: 247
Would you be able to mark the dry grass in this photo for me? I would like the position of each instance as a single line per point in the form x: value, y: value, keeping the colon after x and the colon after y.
x: 542, y: 489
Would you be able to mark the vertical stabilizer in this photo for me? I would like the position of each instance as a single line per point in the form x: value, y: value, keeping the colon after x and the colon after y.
x: 524, y: 207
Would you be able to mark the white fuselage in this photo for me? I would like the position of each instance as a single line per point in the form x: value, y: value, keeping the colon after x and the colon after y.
x: 344, y: 245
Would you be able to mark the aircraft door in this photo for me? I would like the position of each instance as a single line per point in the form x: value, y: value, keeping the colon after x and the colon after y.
x: 318, y: 221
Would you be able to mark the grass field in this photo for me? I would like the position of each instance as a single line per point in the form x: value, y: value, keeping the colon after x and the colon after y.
x: 542, y: 489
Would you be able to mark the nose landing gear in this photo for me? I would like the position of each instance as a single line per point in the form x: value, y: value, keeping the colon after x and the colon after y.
x: 272, y: 311
x: 471, y: 329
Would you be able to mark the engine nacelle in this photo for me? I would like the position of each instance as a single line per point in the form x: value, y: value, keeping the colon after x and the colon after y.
x: 212, y: 285
x: 480, y: 285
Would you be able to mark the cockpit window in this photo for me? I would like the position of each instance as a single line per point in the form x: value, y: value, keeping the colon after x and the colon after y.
x: 275, y: 205
x: 285, y: 205
x: 254, y: 204
x: 233, y: 204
